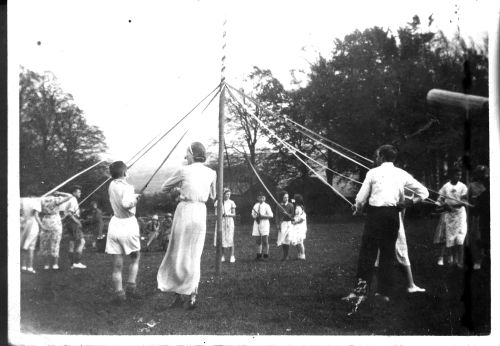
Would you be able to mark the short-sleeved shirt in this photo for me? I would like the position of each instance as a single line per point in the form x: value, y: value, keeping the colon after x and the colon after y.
x: 71, y: 207
x: 228, y: 207
x: 457, y: 192
x: 122, y: 198
x: 262, y: 209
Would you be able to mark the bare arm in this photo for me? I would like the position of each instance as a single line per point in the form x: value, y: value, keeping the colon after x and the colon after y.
x: 172, y: 181
x: 213, y: 187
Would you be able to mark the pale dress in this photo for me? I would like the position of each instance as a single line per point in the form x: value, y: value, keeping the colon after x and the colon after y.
x: 29, y: 224
x: 51, y: 226
x: 262, y: 227
x: 455, y: 221
x: 299, y: 227
x: 229, y: 207
x: 180, y: 269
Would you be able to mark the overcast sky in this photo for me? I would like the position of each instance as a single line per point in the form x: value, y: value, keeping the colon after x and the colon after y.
x: 135, y: 67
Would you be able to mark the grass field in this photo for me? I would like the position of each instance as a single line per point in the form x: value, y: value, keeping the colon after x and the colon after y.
x: 266, y: 298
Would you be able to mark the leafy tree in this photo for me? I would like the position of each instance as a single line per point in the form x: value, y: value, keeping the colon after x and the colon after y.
x: 55, y: 139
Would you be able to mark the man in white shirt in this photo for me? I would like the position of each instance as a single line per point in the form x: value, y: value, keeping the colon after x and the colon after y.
x: 73, y: 227
x: 383, y: 195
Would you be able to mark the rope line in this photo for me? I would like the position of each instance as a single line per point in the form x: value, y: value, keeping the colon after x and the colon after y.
x: 175, y: 125
x: 175, y: 146
x: 262, y: 183
x: 257, y: 103
x: 292, y: 150
x: 71, y: 178
x: 155, y: 143
x: 325, y: 139
x: 163, y: 162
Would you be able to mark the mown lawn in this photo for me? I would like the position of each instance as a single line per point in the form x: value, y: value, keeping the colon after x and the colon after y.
x: 266, y: 298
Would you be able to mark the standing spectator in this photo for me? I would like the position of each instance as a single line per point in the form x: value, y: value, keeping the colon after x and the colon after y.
x: 51, y: 228
x: 261, y: 213
x: 96, y: 222
x: 476, y: 189
x: 179, y: 271
x: 453, y: 194
x: 382, y: 192
x: 166, y: 228
x: 152, y: 230
x: 228, y: 215
x: 284, y: 214
x: 74, y: 229
x: 30, y: 220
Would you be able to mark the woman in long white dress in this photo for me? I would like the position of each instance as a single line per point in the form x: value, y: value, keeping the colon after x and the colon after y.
x: 180, y: 269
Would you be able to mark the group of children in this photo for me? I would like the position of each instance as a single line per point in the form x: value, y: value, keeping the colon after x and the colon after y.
x: 291, y: 223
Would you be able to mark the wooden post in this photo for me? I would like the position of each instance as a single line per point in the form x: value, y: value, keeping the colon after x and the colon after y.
x: 220, y: 181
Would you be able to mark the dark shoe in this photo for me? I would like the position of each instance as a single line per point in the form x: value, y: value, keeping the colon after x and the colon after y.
x: 118, y: 300
x: 132, y: 293
x: 259, y: 257
x: 177, y: 303
x: 192, y: 302
x: 265, y: 256
x: 361, y: 288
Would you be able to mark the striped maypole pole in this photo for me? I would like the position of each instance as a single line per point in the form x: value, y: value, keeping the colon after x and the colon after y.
x: 220, y: 173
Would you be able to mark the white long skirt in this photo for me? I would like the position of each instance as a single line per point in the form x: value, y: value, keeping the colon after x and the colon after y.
x: 227, y: 232
x: 180, y: 269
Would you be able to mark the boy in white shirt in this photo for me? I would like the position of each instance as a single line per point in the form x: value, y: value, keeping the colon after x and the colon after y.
x: 261, y: 213
x: 123, y: 232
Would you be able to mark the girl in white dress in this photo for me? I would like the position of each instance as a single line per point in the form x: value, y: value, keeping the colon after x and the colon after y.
x: 299, y: 230
x: 180, y: 269
x: 229, y: 212
x: 454, y: 222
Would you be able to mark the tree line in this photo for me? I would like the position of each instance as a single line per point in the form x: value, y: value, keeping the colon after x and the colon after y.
x: 370, y: 91
x: 55, y: 140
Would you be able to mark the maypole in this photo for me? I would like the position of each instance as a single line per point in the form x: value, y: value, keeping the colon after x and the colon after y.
x: 220, y: 173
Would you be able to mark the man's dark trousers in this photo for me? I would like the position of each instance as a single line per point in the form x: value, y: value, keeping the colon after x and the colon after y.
x: 380, y: 232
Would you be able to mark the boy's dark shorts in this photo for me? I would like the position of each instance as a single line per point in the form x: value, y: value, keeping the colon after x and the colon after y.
x: 74, y: 230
